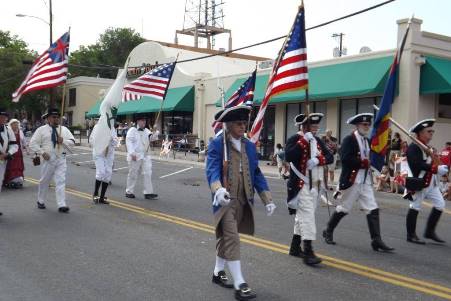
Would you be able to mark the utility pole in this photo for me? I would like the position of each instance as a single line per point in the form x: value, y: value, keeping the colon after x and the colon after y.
x: 340, y: 37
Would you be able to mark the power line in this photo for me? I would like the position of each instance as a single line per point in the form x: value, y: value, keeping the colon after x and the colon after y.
x: 260, y: 43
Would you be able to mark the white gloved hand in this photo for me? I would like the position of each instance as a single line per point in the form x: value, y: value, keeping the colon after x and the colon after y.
x: 270, y: 208
x: 442, y: 170
x: 222, y: 197
x: 312, y: 163
x: 309, y: 136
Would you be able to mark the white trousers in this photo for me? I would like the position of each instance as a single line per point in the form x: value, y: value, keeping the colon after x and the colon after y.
x: 363, y: 193
x: 2, y: 173
x: 304, y: 221
x: 54, y: 168
x: 143, y: 167
x: 104, y: 167
x: 431, y: 193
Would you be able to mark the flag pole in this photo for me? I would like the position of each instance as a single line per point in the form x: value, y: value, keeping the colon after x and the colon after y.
x: 164, y: 96
x: 63, y: 100
x: 252, y: 106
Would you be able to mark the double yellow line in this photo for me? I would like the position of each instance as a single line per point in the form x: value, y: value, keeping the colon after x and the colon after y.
x: 351, y: 267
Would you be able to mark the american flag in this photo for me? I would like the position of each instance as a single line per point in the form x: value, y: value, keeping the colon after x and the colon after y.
x: 154, y: 83
x: 49, y: 70
x: 289, y: 72
x: 243, y: 95
x: 127, y: 96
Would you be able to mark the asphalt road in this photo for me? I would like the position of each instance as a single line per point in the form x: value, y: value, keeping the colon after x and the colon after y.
x: 164, y: 249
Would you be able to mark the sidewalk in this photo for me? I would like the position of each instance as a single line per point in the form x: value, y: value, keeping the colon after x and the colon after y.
x: 183, y: 158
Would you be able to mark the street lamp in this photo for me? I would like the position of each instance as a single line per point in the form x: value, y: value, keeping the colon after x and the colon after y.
x: 49, y: 23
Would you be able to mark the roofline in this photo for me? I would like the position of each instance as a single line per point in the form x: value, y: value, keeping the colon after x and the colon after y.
x: 212, y: 51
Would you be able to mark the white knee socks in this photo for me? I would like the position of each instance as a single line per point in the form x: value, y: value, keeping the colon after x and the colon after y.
x: 220, y: 263
x: 235, y: 270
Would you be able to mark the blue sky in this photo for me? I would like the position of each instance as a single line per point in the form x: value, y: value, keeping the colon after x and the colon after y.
x: 251, y: 21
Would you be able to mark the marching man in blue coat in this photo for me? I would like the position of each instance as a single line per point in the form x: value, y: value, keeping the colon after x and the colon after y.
x: 356, y: 182
x: 233, y: 195
x: 308, y: 155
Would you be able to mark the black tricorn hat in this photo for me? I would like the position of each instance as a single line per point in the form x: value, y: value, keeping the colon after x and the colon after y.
x: 313, y: 118
x: 3, y: 112
x: 51, y: 112
x: 362, y: 117
x: 237, y: 113
x: 426, y: 123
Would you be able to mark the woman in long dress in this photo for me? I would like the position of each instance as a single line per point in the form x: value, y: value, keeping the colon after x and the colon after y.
x: 14, y: 175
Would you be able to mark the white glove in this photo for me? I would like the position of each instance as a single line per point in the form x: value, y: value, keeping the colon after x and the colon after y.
x: 442, y: 170
x: 270, y: 208
x: 312, y: 163
x: 309, y: 136
x: 222, y: 197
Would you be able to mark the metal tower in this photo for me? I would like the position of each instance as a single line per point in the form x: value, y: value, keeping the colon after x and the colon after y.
x: 204, y: 19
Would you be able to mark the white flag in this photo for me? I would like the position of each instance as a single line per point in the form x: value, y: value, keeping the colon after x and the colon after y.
x: 101, y: 134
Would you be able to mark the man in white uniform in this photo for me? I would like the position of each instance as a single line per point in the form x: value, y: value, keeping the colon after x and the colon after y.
x: 139, y: 161
x: 8, y: 145
x: 104, y: 168
x: 51, y: 141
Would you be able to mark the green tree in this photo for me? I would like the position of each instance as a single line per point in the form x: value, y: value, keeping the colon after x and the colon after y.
x: 112, y: 49
x: 13, y: 53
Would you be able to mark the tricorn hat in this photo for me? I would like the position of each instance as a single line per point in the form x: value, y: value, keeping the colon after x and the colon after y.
x: 313, y: 118
x: 362, y: 117
x: 426, y: 123
x: 3, y: 112
x: 51, y: 112
x: 237, y: 113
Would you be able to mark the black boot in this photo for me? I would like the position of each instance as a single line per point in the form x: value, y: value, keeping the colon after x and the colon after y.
x: 328, y: 234
x: 309, y: 256
x: 431, y: 224
x: 411, y: 226
x: 295, y: 248
x: 102, y: 199
x: 375, y: 232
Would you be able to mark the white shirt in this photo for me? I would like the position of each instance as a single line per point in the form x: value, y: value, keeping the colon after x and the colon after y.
x: 41, y: 141
x: 8, y: 136
x: 364, y: 154
x: 138, y: 142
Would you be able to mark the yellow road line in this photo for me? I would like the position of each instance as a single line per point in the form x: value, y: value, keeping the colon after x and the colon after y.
x: 362, y: 270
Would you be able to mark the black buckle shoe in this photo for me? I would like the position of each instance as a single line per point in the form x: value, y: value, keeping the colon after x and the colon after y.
x: 377, y: 244
x: 151, y: 196
x: 41, y: 205
x: 95, y: 199
x: 103, y: 201
x: 413, y: 238
x: 244, y: 292
x: 312, y: 259
x: 63, y: 209
x: 222, y: 280
x: 129, y: 195
x: 1, y: 213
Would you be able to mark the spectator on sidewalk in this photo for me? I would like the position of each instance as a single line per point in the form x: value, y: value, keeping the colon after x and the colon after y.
x: 332, y: 144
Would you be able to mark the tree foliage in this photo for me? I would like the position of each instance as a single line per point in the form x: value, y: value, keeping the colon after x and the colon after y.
x: 13, y: 53
x: 112, y: 49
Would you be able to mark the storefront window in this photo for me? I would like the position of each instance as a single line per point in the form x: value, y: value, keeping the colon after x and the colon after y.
x: 444, y: 106
x: 351, y: 107
x: 294, y: 109
x: 175, y: 123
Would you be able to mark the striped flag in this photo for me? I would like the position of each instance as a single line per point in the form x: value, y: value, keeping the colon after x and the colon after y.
x: 127, y: 96
x: 289, y: 72
x: 49, y: 69
x: 379, y: 133
x: 243, y: 95
x: 154, y: 83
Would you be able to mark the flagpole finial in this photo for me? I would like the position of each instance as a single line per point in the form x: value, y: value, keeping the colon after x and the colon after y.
x: 411, y: 18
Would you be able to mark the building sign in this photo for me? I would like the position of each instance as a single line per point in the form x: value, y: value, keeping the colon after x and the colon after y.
x: 133, y: 72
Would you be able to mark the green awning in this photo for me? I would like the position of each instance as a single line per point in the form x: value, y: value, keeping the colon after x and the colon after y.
x: 177, y: 99
x: 435, y: 76
x: 94, y: 110
x: 339, y: 80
